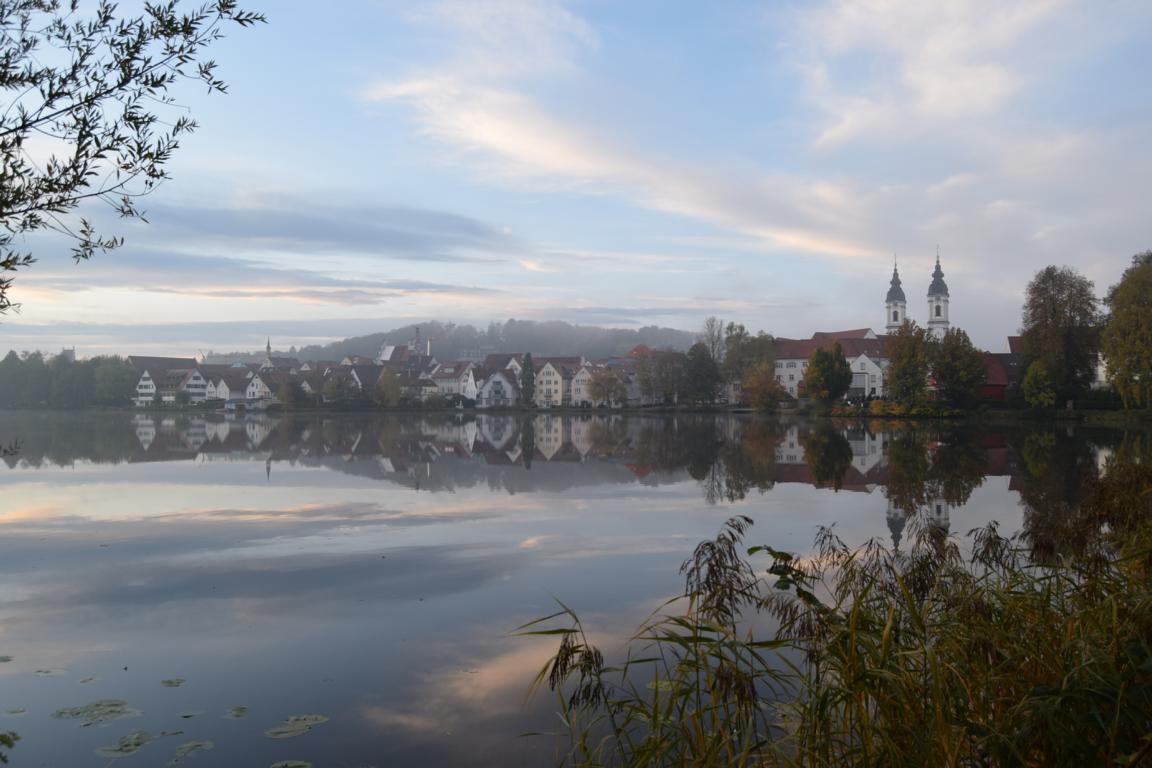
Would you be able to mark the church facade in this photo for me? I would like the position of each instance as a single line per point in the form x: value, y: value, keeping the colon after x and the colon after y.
x: 863, y: 348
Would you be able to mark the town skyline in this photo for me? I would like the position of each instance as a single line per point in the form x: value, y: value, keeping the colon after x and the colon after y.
x: 623, y: 167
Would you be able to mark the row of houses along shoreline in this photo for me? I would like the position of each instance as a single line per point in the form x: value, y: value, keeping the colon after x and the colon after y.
x: 561, y: 381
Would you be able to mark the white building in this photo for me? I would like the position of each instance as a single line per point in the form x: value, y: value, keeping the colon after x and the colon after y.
x: 500, y: 390
x: 455, y: 378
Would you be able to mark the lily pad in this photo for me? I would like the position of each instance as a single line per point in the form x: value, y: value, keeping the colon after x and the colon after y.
x: 188, y: 748
x: 102, y: 711
x: 174, y: 682
x: 87, y: 680
x: 292, y: 764
x: 236, y: 713
x: 296, y: 725
x: 5, y: 659
x: 49, y: 672
x: 127, y: 746
x: 15, y: 712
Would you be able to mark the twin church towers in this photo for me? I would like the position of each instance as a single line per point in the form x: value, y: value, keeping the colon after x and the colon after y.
x: 897, y: 306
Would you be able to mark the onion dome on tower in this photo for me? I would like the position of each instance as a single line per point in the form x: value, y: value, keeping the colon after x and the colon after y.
x: 895, y: 305
x: 938, y: 301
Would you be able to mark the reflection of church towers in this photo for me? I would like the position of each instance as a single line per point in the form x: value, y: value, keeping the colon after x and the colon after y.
x: 897, y: 519
x: 895, y: 305
x: 938, y: 302
x: 938, y: 514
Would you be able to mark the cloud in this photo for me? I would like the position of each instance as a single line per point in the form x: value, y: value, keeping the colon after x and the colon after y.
x: 227, y: 277
x: 932, y: 62
x: 293, y: 225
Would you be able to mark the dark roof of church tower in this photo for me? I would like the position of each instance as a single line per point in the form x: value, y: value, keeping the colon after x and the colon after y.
x: 895, y: 292
x: 938, y: 286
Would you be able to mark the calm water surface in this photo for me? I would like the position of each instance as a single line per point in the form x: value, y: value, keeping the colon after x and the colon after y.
x: 370, y: 570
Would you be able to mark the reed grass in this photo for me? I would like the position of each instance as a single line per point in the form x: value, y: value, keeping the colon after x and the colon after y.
x: 873, y: 657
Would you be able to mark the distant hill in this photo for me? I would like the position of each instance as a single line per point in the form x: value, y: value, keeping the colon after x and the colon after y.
x: 451, y: 341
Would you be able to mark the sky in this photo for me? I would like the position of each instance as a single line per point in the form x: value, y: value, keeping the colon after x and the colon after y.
x: 624, y: 163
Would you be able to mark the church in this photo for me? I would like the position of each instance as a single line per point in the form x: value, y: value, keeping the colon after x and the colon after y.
x: 863, y: 348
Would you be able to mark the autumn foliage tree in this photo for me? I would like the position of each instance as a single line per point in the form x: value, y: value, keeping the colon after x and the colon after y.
x: 760, y: 388
x: 908, y: 350
x: 606, y: 387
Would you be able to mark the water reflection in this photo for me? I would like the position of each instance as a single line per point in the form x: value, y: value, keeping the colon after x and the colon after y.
x: 919, y: 468
x: 368, y: 569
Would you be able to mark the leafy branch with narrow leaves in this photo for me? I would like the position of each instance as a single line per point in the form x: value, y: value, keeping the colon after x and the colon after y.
x: 89, y: 114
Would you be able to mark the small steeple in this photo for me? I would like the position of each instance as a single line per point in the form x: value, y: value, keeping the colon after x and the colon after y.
x: 268, y: 347
x: 895, y: 291
x: 938, y: 286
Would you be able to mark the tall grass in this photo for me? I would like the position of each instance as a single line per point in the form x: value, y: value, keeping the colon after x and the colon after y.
x: 869, y: 657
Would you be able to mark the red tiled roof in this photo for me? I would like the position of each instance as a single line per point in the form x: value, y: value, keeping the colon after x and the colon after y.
x: 802, y: 349
x: 640, y: 350
x: 855, y: 333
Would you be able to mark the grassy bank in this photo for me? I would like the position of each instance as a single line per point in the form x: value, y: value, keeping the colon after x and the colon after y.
x: 872, y: 657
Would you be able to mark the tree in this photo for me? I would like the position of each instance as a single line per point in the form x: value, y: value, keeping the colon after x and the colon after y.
x: 743, y: 352
x: 99, y: 89
x: 908, y: 350
x: 712, y: 337
x: 958, y: 368
x: 1060, y: 328
x: 335, y: 390
x: 528, y: 381
x: 387, y: 392
x: 761, y: 389
x: 828, y: 455
x: 607, y: 387
x: 828, y: 375
x: 702, y: 375
x: 667, y: 375
x: 289, y: 394
x: 1039, y: 392
x: 1126, y: 340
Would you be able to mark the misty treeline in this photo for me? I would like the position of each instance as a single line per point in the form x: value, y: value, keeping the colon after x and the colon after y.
x: 453, y: 342
x: 30, y: 380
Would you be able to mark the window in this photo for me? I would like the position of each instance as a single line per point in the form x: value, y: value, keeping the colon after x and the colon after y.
x: 863, y: 366
x: 791, y: 365
x: 791, y: 377
x: 895, y: 316
x: 937, y: 310
x: 779, y: 364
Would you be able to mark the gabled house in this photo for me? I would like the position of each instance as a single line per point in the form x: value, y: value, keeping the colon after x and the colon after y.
x: 501, y: 389
x: 455, y: 378
x: 554, y: 379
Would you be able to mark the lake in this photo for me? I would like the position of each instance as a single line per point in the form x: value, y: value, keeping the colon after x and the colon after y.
x: 217, y: 577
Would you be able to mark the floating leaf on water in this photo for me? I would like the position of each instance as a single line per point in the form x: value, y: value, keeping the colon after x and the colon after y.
x: 192, y: 714
x: 50, y: 672
x: 16, y: 712
x: 174, y: 682
x: 87, y: 680
x: 5, y: 659
x: 296, y: 725
x: 292, y: 764
x: 171, y: 733
x: 102, y: 711
x: 236, y: 713
x: 127, y: 746
x: 188, y: 748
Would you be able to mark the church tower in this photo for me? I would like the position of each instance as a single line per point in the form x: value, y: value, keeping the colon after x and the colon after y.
x: 938, y: 322
x: 895, y: 305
